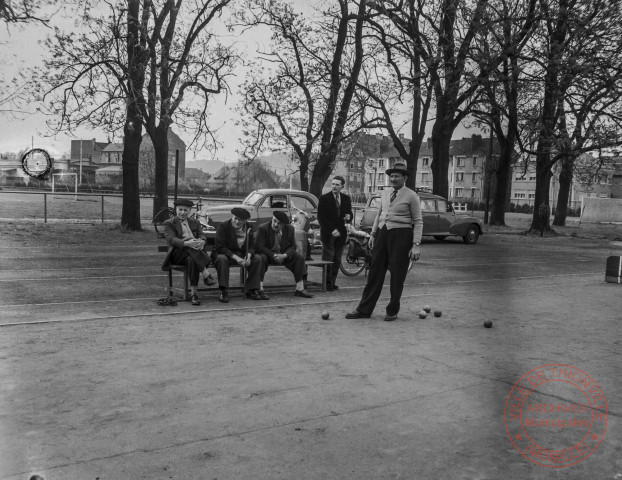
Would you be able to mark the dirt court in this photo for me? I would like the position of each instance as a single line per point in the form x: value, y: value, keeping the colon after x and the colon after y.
x: 99, y: 382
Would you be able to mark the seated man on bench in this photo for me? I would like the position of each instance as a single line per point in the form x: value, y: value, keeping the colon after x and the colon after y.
x: 234, y: 246
x: 187, y: 246
x: 276, y: 244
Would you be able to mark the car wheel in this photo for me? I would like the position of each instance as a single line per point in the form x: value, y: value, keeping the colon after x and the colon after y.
x: 440, y: 238
x: 472, y: 234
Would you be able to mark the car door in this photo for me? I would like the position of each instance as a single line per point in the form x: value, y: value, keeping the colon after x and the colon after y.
x: 430, y: 216
x: 368, y: 215
x: 446, y: 216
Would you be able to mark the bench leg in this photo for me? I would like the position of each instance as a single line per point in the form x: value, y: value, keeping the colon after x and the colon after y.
x: 324, y: 278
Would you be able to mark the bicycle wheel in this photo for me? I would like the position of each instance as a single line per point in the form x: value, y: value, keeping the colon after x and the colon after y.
x: 351, y: 266
x: 161, y: 217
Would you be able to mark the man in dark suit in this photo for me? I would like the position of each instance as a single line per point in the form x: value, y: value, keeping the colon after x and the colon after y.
x: 334, y: 210
x: 276, y: 244
x: 234, y: 245
x: 187, y: 246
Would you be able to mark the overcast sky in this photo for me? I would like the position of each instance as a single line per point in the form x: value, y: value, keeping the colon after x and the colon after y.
x: 19, y: 49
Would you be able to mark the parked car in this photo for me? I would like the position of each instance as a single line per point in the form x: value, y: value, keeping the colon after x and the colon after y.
x: 262, y: 203
x: 439, y: 218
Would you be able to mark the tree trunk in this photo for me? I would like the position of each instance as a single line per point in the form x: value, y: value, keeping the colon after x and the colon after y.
x: 411, y: 163
x: 160, y: 145
x: 504, y: 169
x: 543, y: 185
x: 130, y: 210
x: 304, y: 174
x: 323, y: 169
x: 441, y: 141
x: 132, y: 131
x: 565, y: 184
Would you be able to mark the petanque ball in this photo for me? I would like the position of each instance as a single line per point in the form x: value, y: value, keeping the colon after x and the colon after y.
x: 423, y: 314
x: 427, y: 308
x: 325, y: 315
x: 437, y: 313
x: 488, y: 323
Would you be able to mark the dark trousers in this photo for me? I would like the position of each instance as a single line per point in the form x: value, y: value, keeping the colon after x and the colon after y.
x: 332, y: 250
x: 195, y: 261
x: 254, y: 271
x: 295, y: 264
x: 390, y: 252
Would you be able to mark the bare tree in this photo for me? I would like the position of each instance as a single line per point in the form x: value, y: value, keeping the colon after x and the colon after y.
x: 147, y: 64
x: 403, y: 79
x: 296, y: 98
x: 577, y: 54
x: 510, y: 25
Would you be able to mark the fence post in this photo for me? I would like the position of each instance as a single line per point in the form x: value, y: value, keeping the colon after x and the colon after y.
x: 102, y: 209
x: 45, y: 208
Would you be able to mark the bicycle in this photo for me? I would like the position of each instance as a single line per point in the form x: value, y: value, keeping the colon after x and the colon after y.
x: 169, y: 212
x: 357, y: 254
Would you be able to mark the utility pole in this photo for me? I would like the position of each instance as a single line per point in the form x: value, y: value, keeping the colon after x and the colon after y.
x: 80, y: 181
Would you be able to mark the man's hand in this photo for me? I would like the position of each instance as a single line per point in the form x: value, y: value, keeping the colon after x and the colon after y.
x: 372, y: 239
x: 346, y: 217
x: 336, y: 233
x: 415, y: 253
x: 280, y: 258
x: 194, y: 243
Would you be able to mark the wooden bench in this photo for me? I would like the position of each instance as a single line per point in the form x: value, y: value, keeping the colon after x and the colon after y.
x: 323, y: 264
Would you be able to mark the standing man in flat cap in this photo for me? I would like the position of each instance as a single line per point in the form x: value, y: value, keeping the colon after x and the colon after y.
x: 276, y: 243
x: 395, y: 239
x: 187, y: 246
x: 333, y: 211
x: 234, y: 245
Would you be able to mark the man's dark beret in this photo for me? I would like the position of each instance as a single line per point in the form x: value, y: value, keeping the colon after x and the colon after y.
x: 241, y: 213
x: 184, y: 201
x: 281, y: 217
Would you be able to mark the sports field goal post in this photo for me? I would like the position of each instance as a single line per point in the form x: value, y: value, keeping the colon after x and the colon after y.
x: 62, y: 176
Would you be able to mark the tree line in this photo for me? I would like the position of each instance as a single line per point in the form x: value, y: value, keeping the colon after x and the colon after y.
x: 543, y: 75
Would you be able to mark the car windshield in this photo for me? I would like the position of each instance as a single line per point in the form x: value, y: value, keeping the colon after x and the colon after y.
x: 253, y: 198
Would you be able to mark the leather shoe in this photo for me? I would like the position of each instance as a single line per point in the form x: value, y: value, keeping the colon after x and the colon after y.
x: 390, y: 318
x: 224, y: 297
x: 209, y: 280
x: 262, y: 295
x: 332, y: 288
x: 356, y: 314
x: 302, y: 293
x: 253, y: 295
x: 195, y: 299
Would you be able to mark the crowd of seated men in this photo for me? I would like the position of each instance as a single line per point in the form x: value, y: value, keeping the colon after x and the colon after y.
x: 236, y: 243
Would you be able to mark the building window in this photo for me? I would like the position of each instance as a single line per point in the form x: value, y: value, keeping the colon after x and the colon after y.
x: 532, y: 195
x: 426, y: 162
x: 425, y: 177
x: 474, y: 177
x: 351, y: 177
x: 475, y: 161
x: 532, y: 177
x: 519, y: 176
x: 519, y: 195
x: 459, y: 176
x: 351, y: 165
x: 458, y: 192
x: 381, y: 179
x: 473, y: 192
x: 381, y: 163
x: 460, y: 162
